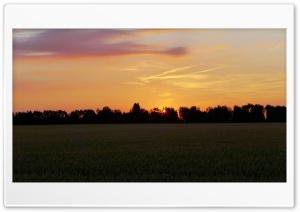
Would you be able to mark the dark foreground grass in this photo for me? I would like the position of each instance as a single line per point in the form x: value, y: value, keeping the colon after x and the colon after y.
x: 150, y: 153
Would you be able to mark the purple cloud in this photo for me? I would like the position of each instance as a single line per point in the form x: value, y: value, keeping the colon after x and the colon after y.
x: 178, y: 51
x: 83, y: 42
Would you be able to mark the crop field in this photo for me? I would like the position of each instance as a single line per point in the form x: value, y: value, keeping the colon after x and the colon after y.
x: 245, y: 152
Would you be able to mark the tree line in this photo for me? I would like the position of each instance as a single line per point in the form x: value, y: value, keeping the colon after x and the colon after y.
x: 219, y: 114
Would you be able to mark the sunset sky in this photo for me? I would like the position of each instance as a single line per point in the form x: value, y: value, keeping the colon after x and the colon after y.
x: 70, y: 69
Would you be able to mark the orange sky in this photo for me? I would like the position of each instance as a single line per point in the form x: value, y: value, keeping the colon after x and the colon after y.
x: 72, y: 69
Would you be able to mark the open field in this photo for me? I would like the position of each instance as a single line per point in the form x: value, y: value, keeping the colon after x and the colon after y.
x: 150, y: 153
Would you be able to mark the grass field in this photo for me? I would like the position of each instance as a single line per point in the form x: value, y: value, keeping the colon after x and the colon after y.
x: 150, y: 153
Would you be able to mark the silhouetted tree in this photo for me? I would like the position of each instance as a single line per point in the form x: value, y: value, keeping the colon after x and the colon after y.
x: 238, y: 114
x: 191, y: 115
x: 136, y: 108
x: 195, y: 114
x: 219, y: 114
x: 76, y: 117
x: 23, y: 118
x: 89, y: 116
x: 38, y: 117
x: 55, y: 117
x: 105, y: 115
x: 275, y: 114
x: 137, y: 115
x: 247, y: 112
x: 117, y: 116
x: 257, y: 113
x: 170, y: 115
x: 184, y: 113
x: 156, y: 115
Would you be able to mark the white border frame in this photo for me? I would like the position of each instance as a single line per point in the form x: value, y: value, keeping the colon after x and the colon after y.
x: 153, y: 16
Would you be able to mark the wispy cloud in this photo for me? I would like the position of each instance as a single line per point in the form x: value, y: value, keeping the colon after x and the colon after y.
x: 169, y: 74
x: 85, y: 42
x: 164, y: 74
x: 274, y: 47
x: 154, y: 65
x: 134, y: 83
x: 211, y: 69
x: 169, y: 100
x: 130, y: 69
x: 164, y: 94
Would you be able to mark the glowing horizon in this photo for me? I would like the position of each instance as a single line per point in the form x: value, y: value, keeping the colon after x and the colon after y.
x: 69, y: 69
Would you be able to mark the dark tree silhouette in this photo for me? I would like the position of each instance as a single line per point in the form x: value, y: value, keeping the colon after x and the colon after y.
x: 23, y: 118
x: 248, y: 113
x: 195, y: 114
x: 170, y: 115
x: 89, y: 116
x: 136, y: 108
x: 257, y: 113
x: 219, y: 114
x: 275, y: 114
x: 38, y: 117
x: 238, y: 114
x: 55, y: 117
x: 137, y: 115
x: 76, y: 117
x: 117, y: 116
x: 184, y: 114
x: 105, y: 115
x: 156, y: 115
x: 191, y: 115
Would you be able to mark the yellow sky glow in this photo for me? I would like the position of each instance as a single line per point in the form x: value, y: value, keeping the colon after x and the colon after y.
x: 90, y: 69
